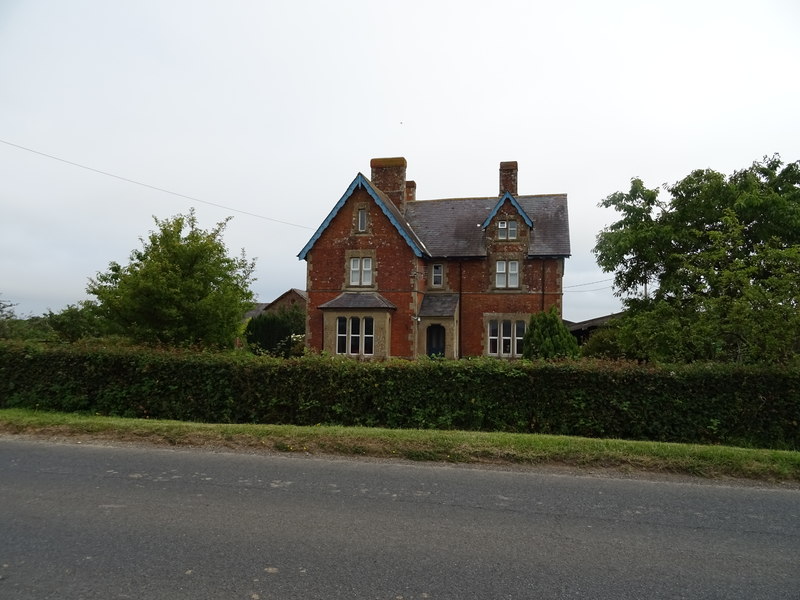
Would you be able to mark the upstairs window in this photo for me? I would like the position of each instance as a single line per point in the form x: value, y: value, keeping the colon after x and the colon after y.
x: 361, y: 271
x: 361, y: 225
x: 437, y: 275
x: 506, y: 230
x: 506, y: 274
x: 512, y: 230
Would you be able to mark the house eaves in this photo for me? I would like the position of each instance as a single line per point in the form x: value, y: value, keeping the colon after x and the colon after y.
x: 515, y: 204
x: 387, y: 207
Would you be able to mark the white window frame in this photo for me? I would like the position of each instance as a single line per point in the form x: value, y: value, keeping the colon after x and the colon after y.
x: 361, y: 271
x: 513, y: 273
x: 505, y: 337
x: 500, y: 276
x: 512, y: 230
x: 502, y: 230
x: 355, y: 336
x: 506, y: 274
x: 437, y: 275
x: 361, y: 224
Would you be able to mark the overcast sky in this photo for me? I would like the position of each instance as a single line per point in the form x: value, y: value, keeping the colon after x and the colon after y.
x: 266, y: 111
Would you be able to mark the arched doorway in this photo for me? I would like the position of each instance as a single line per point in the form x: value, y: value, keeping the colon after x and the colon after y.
x: 435, y: 340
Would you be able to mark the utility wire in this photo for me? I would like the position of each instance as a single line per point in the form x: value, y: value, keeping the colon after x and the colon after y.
x: 152, y: 187
x: 589, y: 283
x: 567, y: 291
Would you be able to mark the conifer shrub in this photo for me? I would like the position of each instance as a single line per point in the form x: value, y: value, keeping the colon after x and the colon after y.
x: 547, y: 337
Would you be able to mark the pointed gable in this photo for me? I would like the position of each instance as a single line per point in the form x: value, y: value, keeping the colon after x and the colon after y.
x: 387, y: 207
x: 508, y: 198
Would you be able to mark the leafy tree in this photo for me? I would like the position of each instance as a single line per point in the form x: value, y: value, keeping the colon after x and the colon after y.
x: 719, y: 265
x: 7, y: 316
x: 548, y: 337
x: 273, y: 332
x: 181, y: 288
x: 28, y: 328
x: 78, y: 321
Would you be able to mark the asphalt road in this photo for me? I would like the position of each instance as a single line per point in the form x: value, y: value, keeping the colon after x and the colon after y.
x: 84, y: 521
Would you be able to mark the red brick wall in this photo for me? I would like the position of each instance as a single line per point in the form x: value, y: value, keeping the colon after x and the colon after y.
x: 286, y: 301
x: 395, y: 269
x: 540, y: 282
x: 399, y: 276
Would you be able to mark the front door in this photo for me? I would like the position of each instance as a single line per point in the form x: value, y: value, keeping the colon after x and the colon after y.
x: 435, y: 339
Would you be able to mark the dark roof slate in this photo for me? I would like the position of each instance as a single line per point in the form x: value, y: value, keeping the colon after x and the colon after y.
x: 258, y: 308
x: 439, y: 305
x: 359, y: 300
x: 454, y: 227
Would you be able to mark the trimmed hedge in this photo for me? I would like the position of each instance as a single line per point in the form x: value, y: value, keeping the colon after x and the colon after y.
x: 714, y: 403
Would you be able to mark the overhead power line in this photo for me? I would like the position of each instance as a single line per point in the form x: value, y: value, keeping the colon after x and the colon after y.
x: 589, y: 283
x: 152, y: 187
x: 608, y: 287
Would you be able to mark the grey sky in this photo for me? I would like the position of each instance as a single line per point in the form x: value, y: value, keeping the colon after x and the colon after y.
x: 272, y: 108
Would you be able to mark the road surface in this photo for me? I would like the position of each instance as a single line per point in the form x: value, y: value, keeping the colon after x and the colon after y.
x: 81, y: 521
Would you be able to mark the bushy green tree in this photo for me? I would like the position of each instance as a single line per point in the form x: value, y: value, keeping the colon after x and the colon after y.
x: 22, y: 328
x: 7, y: 316
x: 548, y: 337
x: 78, y: 321
x: 713, y: 273
x: 272, y: 332
x: 181, y: 288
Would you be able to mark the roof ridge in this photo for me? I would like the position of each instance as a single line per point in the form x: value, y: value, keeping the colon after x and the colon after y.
x: 489, y: 198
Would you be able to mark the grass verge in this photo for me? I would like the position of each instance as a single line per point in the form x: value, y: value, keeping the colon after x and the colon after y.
x: 422, y: 445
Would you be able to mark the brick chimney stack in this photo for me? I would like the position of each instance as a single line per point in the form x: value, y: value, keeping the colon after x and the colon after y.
x: 389, y: 176
x: 411, y: 191
x: 508, y: 178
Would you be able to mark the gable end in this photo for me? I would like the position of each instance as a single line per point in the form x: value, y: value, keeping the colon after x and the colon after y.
x: 384, y: 203
x: 515, y: 204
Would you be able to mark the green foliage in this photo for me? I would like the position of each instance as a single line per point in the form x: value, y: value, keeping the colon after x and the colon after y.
x: 78, y: 321
x: 700, y: 403
x: 604, y: 343
x: 13, y: 327
x: 547, y: 337
x: 7, y: 316
x: 181, y: 288
x: 272, y: 332
x: 719, y: 263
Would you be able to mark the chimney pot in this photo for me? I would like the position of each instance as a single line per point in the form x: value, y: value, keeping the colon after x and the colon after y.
x: 411, y: 191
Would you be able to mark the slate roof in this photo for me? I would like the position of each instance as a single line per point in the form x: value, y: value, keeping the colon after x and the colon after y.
x: 359, y: 300
x: 299, y: 292
x: 258, y: 308
x: 439, y: 305
x: 454, y: 227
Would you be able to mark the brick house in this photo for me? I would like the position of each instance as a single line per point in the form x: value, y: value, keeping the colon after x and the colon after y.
x: 389, y: 275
